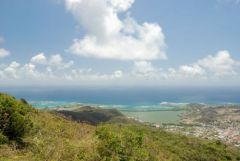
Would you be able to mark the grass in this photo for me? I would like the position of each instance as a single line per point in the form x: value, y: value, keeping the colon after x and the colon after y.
x: 55, y: 138
x: 52, y: 138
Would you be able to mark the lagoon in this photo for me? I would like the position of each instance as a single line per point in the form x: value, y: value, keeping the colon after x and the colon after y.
x: 157, y: 117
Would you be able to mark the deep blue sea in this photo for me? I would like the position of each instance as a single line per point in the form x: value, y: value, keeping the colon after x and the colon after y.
x: 125, y: 96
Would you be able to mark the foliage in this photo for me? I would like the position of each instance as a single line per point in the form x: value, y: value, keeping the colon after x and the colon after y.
x: 14, y: 117
x: 121, y: 144
x: 137, y: 142
x: 3, y: 139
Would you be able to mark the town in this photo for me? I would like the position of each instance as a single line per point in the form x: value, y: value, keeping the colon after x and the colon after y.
x: 209, y: 122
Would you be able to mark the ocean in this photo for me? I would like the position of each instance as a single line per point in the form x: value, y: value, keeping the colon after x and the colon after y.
x: 142, y: 96
x: 138, y: 102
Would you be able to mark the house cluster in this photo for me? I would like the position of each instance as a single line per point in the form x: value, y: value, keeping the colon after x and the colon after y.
x: 228, y: 132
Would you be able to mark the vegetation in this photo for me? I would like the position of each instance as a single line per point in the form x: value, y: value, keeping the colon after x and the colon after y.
x: 49, y: 136
x: 136, y: 142
x: 94, y: 115
x: 121, y: 144
x: 14, y: 118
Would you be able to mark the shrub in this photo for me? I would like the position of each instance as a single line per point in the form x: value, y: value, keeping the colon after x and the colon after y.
x: 3, y: 139
x: 121, y: 145
x: 14, y: 117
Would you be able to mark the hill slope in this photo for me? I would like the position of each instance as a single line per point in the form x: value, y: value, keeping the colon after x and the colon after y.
x: 92, y: 115
x: 53, y: 137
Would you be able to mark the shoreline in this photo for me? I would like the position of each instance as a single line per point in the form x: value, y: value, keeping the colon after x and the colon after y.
x: 148, y: 116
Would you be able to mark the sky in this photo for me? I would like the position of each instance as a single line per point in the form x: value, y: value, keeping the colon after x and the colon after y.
x: 120, y: 42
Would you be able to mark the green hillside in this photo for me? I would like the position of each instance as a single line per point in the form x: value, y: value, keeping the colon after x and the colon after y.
x: 27, y: 134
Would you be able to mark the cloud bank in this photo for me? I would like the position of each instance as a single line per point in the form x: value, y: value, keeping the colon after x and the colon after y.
x: 217, y: 66
x: 109, y: 37
x: 53, y: 69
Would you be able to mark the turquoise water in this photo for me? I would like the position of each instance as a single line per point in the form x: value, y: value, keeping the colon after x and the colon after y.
x: 51, y: 104
x: 161, y: 113
x: 156, y: 117
x: 138, y: 108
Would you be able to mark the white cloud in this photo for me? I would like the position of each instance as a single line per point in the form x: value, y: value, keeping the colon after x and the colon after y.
x: 89, y: 75
x: 220, y: 68
x: 29, y: 67
x: 220, y: 64
x: 143, y: 67
x: 55, y: 60
x: 39, y: 59
x: 144, y: 70
x: 191, y: 70
x: 118, y: 74
x: 11, y: 70
x: 211, y: 67
x: 108, y: 37
x: 4, y: 53
x: 121, y: 5
x: 23, y: 73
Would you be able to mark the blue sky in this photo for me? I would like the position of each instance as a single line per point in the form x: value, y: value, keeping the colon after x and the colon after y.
x: 127, y: 42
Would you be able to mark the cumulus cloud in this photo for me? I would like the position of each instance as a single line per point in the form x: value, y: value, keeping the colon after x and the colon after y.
x: 145, y: 70
x: 109, y: 37
x: 213, y: 66
x: 11, y: 70
x: 52, y: 69
x: 4, y: 53
x: 143, y: 67
x: 90, y: 75
x: 42, y: 68
x: 39, y: 59
x: 191, y: 70
x: 220, y: 64
x: 55, y: 60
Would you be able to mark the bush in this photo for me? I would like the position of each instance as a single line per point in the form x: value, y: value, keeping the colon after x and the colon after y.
x: 3, y: 139
x: 121, y: 145
x: 14, y: 117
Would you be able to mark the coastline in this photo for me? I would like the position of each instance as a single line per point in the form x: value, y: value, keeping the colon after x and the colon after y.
x: 150, y: 114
